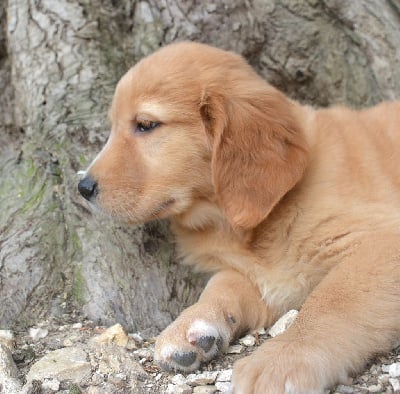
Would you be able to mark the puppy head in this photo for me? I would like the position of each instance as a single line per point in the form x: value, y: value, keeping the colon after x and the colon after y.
x: 194, y: 122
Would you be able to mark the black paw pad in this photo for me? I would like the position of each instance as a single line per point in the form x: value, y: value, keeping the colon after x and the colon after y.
x: 206, y: 343
x: 185, y: 359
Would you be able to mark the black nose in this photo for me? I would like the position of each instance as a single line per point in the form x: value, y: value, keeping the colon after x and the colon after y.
x: 88, y: 187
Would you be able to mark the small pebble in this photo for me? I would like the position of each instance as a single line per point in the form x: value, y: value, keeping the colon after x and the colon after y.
x: 235, y: 349
x: 114, y: 334
x: 178, y: 379
x: 344, y: 389
x: 375, y: 388
x: 225, y: 375
x: 224, y: 387
x: 7, y: 338
x: 67, y: 342
x: 97, y: 379
x: 211, y: 8
x: 181, y: 389
x: 77, y: 325
x: 248, y: 340
x: 201, y: 379
x: 204, y: 390
x: 394, y: 370
x: 51, y: 384
x: 144, y: 353
x: 136, y: 337
x: 261, y: 331
x: 38, y: 333
x: 395, y: 384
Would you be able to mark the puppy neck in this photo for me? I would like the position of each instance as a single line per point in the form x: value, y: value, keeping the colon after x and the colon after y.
x: 205, y: 215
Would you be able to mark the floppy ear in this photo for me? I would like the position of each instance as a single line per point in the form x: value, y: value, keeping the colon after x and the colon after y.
x: 258, y: 151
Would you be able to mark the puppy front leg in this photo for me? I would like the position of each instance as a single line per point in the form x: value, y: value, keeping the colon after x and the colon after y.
x: 229, y: 306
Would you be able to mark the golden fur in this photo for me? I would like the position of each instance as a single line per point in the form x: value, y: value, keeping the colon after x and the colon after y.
x: 289, y: 206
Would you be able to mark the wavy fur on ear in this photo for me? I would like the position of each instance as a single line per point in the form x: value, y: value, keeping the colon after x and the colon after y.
x: 259, y: 152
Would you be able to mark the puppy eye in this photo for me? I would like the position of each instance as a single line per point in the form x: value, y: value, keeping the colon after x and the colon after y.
x: 146, y: 126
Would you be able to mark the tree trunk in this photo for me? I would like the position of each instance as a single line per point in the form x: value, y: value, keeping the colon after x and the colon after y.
x: 59, y: 63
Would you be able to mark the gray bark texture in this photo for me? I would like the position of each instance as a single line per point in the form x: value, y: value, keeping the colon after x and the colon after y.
x: 59, y: 63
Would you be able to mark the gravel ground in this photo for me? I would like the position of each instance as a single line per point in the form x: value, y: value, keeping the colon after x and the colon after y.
x: 80, y: 357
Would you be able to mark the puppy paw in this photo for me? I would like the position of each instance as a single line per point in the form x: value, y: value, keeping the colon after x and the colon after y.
x: 184, y: 347
x: 280, y: 368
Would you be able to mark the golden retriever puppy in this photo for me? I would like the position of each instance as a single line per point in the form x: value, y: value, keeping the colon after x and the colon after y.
x: 288, y: 206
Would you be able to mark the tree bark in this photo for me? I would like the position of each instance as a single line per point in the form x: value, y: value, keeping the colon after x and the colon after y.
x: 59, y: 63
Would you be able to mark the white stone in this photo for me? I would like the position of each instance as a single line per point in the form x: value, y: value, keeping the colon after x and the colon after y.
x: 224, y: 387
x: 7, y: 338
x: 204, y: 390
x: 136, y: 337
x: 77, y: 325
x: 8, y: 372
x: 170, y: 388
x: 201, y: 379
x: 344, y: 389
x: 375, y: 388
x: 67, y: 342
x: 62, y: 364
x: 178, y: 379
x: 225, y: 375
x: 180, y: 389
x: 261, y: 331
x: 394, y: 370
x: 235, y: 349
x: 283, y: 323
x: 51, y: 384
x: 248, y: 340
x: 144, y: 353
x: 38, y: 333
x: 395, y: 384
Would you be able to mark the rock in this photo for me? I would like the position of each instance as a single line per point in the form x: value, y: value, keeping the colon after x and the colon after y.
x: 114, y: 359
x: 204, y: 390
x: 51, y: 384
x: 261, y: 331
x: 248, y: 340
x: 383, y: 379
x: 114, y: 334
x: 137, y: 338
x: 211, y: 8
x: 7, y: 338
x: 375, y: 388
x: 68, y: 342
x: 144, y: 353
x: 97, y: 379
x: 394, y: 370
x: 344, y: 389
x: 178, y: 379
x: 180, y: 389
x: 235, y: 349
x: 8, y: 372
x: 395, y: 384
x: 62, y: 364
x: 201, y: 379
x: 224, y: 387
x: 283, y: 323
x: 225, y: 375
x: 38, y: 333
x: 77, y: 326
